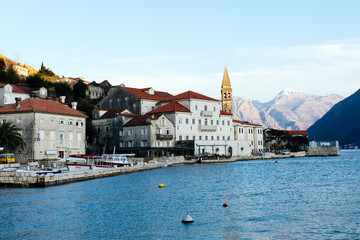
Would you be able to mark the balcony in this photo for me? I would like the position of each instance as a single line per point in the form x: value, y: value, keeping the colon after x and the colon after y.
x: 210, y: 128
x: 164, y: 136
x: 206, y: 113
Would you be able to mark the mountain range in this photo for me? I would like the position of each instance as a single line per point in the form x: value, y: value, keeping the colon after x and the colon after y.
x: 290, y: 109
x: 341, y: 123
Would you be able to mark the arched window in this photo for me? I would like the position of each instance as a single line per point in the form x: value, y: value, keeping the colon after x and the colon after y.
x: 229, y: 95
x: 205, y: 121
x: 205, y: 107
x: 224, y: 95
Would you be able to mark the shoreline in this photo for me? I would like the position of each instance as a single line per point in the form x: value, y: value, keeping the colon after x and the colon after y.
x: 24, y: 179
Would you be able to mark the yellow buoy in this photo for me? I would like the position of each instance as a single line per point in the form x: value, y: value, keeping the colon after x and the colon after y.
x: 161, y: 185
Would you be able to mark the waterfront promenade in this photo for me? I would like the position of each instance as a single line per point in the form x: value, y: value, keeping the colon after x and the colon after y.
x: 33, y: 179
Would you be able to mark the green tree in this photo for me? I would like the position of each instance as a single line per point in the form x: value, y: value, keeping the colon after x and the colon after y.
x: 10, y: 137
x: 2, y: 65
x: 80, y: 89
x: 12, y: 76
x: 37, y: 81
x: 2, y: 70
x: 46, y: 71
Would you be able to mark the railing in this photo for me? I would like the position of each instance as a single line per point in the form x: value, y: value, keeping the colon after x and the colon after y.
x: 211, y: 128
x: 164, y: 136
x: 206, y: 113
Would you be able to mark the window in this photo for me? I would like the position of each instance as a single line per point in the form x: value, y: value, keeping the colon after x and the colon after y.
x: 163, y: 122
x: 143, y: 131
x: 19, y: 120
x: 212, y: 137
x: 194, y: 138
x: 217, y: 137
x: 187, y: 121
x: 71, y: 136
x: 228, y: 123
x: 180, y: 138
x: 229, y: 95
x: 195, y: 107
x: 79, y: 137
x: 62, y: 122
x: 143, y: 143
x: 252, y: 143
x: 205, y: 107
x: 61, y: 138
x: 199, y: 137
x: 205, y: 121
x: 52, y: 135
x: 206, y: 137
x: 187, y: 137
x: 130, y: 143
x: 193, y: 121
x: 223, y: 122
x: 4, y: 120
x: 225, y: 95
x: 214, y: 109
x: 121, y: 133
x: 223, y: 137
x: 106, y: 128
x: 121, y: 144
x: 168, y: 143
x: 212, y: 122
x: 228, y: 138
x: 217, y: 122
x: 42, y: 135
x: 180, y: 120
x: 199, y: 121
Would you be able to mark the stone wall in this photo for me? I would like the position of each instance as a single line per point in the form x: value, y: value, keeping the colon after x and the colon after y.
x: 323, y: 151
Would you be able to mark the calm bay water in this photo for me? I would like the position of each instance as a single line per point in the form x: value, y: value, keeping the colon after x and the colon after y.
x: 296, y: 198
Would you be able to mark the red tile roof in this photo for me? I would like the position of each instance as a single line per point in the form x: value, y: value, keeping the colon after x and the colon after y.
x: 170, y: 107
x: 111, y: 113
x: 246, y: 123
x: 141, y: 93
x: 224, y: 113
x: 16, y: 89
x: 297, y: 132
x: 191, y: 94
x: 142, y: 119
x: 40, y: 105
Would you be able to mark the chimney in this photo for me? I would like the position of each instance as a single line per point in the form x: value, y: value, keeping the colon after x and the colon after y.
x: 62, y: 99
x: 74, y: 105
x: 17, y: 102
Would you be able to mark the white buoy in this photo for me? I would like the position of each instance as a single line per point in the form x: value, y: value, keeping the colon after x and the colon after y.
x: 187, y: 219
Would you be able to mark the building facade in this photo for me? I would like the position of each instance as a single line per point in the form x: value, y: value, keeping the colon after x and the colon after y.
x: 49, y: 128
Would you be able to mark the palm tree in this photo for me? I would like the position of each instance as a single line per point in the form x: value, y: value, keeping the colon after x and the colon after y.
x: 9, y: 136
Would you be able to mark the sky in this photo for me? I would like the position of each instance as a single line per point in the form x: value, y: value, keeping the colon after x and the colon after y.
x: 176, y: 46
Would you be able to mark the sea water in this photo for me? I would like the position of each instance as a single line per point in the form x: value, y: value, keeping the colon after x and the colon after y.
x: 296, y: 198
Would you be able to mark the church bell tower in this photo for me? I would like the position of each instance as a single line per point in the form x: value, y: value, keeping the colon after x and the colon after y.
x: 226, y: 93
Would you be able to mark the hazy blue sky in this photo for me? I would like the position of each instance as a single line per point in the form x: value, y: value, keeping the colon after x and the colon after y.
x: 175, y: 46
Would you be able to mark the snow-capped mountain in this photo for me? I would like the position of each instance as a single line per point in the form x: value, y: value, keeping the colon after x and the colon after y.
x: 290, y: 109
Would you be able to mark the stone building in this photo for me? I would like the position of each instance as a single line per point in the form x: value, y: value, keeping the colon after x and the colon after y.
x: 9, y: 92
x: 226, y: 93
x: 253, y: 133
x: 149, y: 135
x: 136, y: 100
x: 49, y: 128
x: 20, y: 70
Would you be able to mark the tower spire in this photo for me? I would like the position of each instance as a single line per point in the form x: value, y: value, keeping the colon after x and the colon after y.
x: 226, y: 93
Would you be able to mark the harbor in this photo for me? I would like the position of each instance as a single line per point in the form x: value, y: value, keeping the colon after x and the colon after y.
x: 33, y: 175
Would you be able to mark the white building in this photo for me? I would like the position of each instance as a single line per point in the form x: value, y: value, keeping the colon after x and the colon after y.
x: 9, y: 92
x: 252, y: 133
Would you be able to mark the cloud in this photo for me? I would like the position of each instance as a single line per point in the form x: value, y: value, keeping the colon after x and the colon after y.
x: 320, y: 69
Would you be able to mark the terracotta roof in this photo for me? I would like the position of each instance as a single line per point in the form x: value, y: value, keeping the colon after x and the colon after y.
x: 141, y: 93
x: 191, y: 94
x: 142, y: 120
x: 111, y: 113
x: 297, y: 132
x: 15, y: 88
x: 246, y: 123
x: 224, y: 113
x: 170, y: 107
x: 40, y: 105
